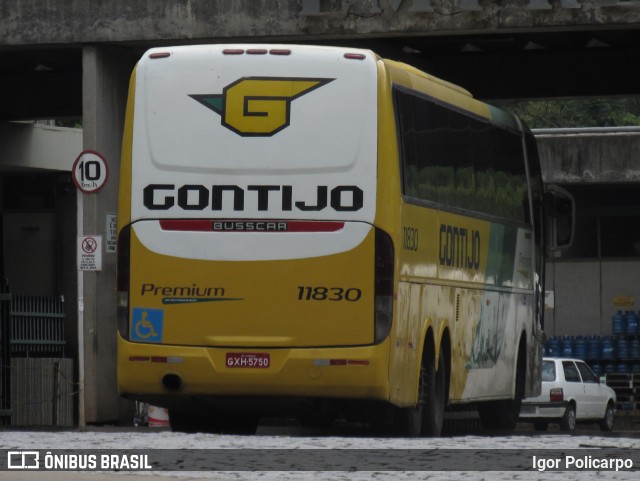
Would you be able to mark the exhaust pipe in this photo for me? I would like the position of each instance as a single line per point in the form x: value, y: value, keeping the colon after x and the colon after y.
x: 172, y: 382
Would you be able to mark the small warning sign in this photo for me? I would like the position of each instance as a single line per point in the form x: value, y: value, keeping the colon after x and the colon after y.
x: 90, y: 253
x: 624, y: 301
x: 112, y: 233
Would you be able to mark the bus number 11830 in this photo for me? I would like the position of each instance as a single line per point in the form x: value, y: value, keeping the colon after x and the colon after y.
x: 311, y: 293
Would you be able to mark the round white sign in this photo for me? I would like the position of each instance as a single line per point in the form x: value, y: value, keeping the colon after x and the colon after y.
x: 90, y: 172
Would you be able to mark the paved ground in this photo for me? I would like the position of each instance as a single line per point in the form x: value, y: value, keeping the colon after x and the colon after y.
x: 266, y: 457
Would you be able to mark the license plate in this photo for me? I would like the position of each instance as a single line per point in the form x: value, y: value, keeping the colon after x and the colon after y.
x: 248, y: 359
x: 525, y: 409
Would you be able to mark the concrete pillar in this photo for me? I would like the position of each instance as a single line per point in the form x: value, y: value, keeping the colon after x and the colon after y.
x: 105, y: 78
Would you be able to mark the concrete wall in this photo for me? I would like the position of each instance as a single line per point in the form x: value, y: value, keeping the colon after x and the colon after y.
x: 37, y: 146
x: 31, y: 22
x: 590, y: 155
x: 585, y: 291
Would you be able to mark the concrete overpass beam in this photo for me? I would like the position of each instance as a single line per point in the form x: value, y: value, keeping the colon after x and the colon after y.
x: 546, y: 4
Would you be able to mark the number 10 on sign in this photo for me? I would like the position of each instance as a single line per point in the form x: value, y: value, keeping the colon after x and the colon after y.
x: 90, y: 171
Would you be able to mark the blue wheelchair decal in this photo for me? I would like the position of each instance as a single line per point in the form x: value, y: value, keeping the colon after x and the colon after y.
x: 147, y: 325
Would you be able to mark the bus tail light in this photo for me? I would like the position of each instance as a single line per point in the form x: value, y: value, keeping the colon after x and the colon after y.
x: 384, y: 267
x: 123, y: 273
x: 556, y: 394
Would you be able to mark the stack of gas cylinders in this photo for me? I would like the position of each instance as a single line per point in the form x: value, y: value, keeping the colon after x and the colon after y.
x: 619, y: 353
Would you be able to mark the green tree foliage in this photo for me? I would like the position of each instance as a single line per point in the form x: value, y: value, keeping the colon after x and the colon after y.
x: 588, y: 112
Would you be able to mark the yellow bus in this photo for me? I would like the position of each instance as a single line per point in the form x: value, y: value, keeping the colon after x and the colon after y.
x: 319, y: 232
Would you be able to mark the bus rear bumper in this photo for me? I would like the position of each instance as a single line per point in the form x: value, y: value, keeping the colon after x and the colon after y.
x: 155, y: 371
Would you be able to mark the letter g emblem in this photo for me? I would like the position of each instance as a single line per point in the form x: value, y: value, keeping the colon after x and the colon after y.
x: 259, y: 106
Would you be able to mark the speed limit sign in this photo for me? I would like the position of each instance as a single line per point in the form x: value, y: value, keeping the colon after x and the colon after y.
x: 90, y: 172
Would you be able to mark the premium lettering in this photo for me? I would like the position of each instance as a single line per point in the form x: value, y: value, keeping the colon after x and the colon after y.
x: 182, y: 291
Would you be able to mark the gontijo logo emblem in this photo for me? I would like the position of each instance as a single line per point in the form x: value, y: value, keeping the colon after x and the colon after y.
x: 259, y: 106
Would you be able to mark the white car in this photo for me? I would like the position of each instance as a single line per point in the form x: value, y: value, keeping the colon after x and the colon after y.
x: 571, y: 393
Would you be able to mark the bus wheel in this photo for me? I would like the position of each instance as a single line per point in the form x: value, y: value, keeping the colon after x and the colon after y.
x: 433, y: 417
x: 503, y: 415
x: 427, y: 417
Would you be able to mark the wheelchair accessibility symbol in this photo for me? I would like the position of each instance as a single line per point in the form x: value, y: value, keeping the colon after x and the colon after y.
x: 147, y: 325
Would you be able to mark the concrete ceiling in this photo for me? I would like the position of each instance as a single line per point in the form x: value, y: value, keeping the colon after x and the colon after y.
x: 46, y: 82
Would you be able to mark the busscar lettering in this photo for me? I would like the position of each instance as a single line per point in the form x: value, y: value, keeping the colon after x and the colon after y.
x: 341, y: 198
x: 459, y: 247
x: 248, y: 226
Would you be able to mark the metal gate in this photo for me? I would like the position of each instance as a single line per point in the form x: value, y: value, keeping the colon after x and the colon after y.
x: 37, y: 326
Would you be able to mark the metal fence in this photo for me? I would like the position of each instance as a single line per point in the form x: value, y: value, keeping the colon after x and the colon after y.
x: 37, y: 326
x: 42, y: 392
x: 36, y: 381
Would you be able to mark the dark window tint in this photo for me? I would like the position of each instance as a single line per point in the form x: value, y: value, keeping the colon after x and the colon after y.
x: 586, y: 373
x: 570, y: 372
x: 460, y: 161
x: 548, y: 371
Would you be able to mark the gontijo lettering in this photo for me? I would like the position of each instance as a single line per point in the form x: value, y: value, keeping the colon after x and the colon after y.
x: 342, y: 198
x: 459, y: 247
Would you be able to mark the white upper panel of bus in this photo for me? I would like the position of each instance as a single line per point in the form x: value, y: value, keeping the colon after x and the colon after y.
x: 279, y: 129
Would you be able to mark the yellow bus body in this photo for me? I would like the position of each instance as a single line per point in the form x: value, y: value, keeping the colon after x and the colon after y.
x: 312, y: 315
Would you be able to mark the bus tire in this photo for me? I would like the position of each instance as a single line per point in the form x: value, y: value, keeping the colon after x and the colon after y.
x: 503, y: 415
x: 427, y: 417
x: 435, y: 402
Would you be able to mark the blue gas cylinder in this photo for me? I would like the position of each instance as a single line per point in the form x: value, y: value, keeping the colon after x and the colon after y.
x: 622, y: 368
x: 553, y: 347
x: 567, y: 347
x: 631, y: 321
x: 622, y: 346
x: 596, y: 367
x: 608, y: 349
x: 580, y: 348
x: 594, y: 348
x: 634, y: 349
x: 618, y: 325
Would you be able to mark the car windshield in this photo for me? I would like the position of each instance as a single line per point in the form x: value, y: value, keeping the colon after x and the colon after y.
x: 548, y: 371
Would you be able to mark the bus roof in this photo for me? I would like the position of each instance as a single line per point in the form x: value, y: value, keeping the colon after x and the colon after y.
x: 446, y: 92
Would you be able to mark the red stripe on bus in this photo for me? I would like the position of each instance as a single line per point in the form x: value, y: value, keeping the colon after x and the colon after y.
x: 191, y: 225
x: 237, y: 225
